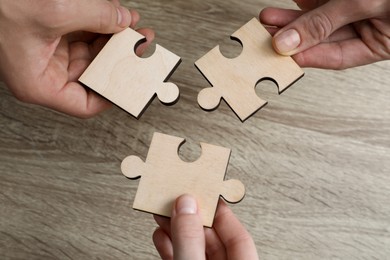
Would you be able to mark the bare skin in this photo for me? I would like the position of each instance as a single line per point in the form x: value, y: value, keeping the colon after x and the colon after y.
x: 46, y: 45
x: 183, y: 236
x: 329, y: 34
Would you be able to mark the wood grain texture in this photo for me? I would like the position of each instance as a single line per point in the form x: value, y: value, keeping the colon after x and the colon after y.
x: 129, y: 81
x: 315, y: 161
x: 234, y: 79
x: 164, y: 177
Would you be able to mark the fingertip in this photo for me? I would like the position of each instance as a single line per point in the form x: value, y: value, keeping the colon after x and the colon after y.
x: 233, y: 234
x: 272, y: 30
x: 135, y: 17
x: 275, y: 46
x: 188, y: 238
x: 299, y: 58
x: 186, y: 220
x: 124, y: 18
x: 149, y: 35
x: 157, y: 218
x: 160, y: 220
x: 157, y: 235
x: 286, y: 42
x: 163, y: 222
x: 222, y: 208
x: 163, y: 244
x: 223, y: 214
x: 185, y: 205
x: 222, y: 203
x: 264, y: 14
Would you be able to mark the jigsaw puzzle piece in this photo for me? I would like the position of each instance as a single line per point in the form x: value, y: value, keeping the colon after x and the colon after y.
x: 241, y: 99
x: 164, y: 177
x: 130, y: 166
x: 129, y: 81
x: 232, y: 191
x: 234, y: 80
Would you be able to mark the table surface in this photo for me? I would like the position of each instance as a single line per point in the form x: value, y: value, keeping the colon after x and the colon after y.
x: 315, y: 161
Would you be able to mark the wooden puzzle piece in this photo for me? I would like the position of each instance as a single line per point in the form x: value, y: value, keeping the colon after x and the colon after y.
x: 127, y: 80
x: 164, y: 177
x: 234, y: 80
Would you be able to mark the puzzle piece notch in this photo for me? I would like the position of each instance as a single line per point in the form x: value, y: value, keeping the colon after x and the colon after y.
x: 164, y: 177
x: 234, y: 80
x: 129, y: 81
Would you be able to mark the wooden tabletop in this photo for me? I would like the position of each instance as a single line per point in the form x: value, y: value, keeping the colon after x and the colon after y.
x: 315, y: 161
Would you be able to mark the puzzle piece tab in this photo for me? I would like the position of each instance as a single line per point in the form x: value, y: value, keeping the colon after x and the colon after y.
x: 234, y: 80
x: 127, y: 80
x: 164, y: 177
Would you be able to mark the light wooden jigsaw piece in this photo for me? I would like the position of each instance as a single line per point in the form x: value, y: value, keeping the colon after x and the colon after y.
x: 164, y: 177
x: 127, y: 80
x: 234, y: 80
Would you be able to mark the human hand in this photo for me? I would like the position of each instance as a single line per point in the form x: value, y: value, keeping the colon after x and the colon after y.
x: 183, y: 236
x: 46, y: 45
x: 332, y: 34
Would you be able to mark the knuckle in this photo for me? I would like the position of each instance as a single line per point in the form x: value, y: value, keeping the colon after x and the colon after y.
x: 319, y: 26
x: 186, y: 231
x: 53, y: 14
x: 383, y: 51
x: 386, y: 46
x: 189, y: 232
x: 375, y: 36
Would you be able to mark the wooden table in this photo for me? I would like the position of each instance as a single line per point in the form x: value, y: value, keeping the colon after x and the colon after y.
x: 315, y: 161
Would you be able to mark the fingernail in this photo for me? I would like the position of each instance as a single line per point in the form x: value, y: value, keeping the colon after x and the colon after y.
x: 287, y: 41
x: 186, y: 205
x: 124, y: 16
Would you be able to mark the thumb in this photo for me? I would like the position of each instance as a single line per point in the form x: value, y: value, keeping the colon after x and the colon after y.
x: 188, y: 238
x: 317, y: 25
x: 98, y: 16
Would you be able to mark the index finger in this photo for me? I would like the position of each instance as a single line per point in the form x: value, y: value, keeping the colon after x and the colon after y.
x: 238, y: 242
